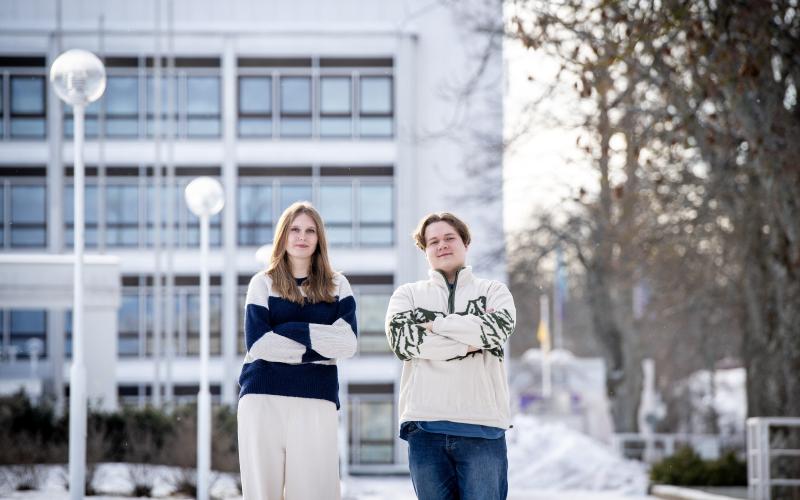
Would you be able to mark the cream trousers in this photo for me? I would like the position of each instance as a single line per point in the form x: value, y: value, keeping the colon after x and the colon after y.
x: 288, y: 448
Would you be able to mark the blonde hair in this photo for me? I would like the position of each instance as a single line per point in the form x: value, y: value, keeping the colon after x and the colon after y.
x: 459, y: 225
x: 319, y: 286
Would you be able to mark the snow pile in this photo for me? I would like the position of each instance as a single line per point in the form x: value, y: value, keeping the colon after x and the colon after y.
x: 550, y: 456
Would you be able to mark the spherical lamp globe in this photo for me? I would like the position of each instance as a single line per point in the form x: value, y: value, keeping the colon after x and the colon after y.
x: 78, y: 77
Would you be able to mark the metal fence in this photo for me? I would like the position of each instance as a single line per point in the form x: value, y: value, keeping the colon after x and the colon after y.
x: 764, y: 449
x: 651, y: 448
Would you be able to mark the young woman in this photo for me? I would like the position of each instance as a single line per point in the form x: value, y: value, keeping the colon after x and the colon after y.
x: 450, y: 331
x: 299, y: 318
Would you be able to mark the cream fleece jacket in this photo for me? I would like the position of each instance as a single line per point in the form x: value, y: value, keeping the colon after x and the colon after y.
x: 440, y: 380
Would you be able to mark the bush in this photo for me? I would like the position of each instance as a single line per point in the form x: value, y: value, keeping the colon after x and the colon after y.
x: 224, y: 442
x: 686, y: 468
x: 34, y: 435
x: 30, y: 434
x: 727, y: 471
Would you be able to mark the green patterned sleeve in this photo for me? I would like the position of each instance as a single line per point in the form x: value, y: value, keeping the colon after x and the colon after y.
x: 487, y: 324
x: 408, y: 339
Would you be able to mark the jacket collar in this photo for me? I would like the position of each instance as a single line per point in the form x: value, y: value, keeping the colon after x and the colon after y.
x: 463, y: 276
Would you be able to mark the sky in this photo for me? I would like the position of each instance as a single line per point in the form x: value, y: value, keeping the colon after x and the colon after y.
x: 544, y: 168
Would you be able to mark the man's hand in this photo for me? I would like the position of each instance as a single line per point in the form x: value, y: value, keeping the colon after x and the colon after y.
x: 429, y: 328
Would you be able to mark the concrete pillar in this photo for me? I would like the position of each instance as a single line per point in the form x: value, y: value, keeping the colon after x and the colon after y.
x: 405, y: 170
x: 229, y: 182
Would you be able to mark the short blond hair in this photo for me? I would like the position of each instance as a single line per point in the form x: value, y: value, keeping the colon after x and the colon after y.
x: 459, y: 225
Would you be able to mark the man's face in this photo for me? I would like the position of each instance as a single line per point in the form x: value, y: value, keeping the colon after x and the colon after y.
x: 444, y: 248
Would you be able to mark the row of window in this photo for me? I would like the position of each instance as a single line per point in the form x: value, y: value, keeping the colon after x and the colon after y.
x: 338, y: 106
x: 23, y: 332
x: 119, y: 210
x: 271, y: 103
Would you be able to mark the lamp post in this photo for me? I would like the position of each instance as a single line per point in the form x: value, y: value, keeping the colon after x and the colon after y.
x: 78, y: 78
x: 205, y: 198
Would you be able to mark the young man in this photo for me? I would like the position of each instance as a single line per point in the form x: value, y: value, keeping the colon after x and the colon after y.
x: 449, y: 331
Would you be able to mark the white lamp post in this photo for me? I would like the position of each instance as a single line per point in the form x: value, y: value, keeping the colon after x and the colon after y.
x: 79, y: 78
x: 205, y: 198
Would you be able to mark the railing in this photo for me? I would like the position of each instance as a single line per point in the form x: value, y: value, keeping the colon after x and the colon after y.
x: 760, y: 454
x: 651, y: 448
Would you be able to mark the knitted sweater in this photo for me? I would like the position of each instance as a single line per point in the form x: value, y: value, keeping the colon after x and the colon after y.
x: 440, y: 380
x: 292, y: 348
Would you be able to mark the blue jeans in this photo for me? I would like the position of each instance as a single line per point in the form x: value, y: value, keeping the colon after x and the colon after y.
x: 445, y: 467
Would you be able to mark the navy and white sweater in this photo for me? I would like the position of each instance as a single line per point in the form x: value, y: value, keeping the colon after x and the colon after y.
x: 292, y: 348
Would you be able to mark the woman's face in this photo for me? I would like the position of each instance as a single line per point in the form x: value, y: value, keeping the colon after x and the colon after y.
x: 444, y: 248
x: 301, y: 242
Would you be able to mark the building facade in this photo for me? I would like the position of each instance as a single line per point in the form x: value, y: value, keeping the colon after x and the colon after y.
x: 345, y: 104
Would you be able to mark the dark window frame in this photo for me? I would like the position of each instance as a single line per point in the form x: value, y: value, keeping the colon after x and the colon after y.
x: 22, y: 115
x: 253, y: 115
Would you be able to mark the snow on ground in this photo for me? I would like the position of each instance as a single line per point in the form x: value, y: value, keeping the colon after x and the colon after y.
x: 552, y: 457
x: 113, y: 480
x: 546, y: 461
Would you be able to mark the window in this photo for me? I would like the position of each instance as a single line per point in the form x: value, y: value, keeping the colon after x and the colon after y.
x: 192, y: 319
x: 140, y: 395
x: 68, y: 334
x: 135, y: 320
x: 357, y: 204
x: 90, y: 204
x: 167, y: 115
x: 375, y: 206
x: 23, y: 207
x: 255, y: 106
x: 295, y: 106
x: 129, y: 321
x: 122, y: 106
x: 190, y: 100
x: 23, y: 91
x: 190, y: 236
x: 335, y: 107
x: 27, y: 333
x: 372, y: 305
x: 255, y: 214
x: 203, y: 106
x: 91, y: 120
x: 2, y: 216
x: 294, y: 191
x: 186, y: 225
x: 336, y: 208
x: 28, y: 219
x: 127, y: 219
x: 372, y: 424
x: 27, y: 107
x: 315, y: 97
x: 376, y: 108
x: 241, y: 300
x: 122, y: 214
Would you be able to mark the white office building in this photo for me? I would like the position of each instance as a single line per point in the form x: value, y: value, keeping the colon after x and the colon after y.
x: 352, y: 104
